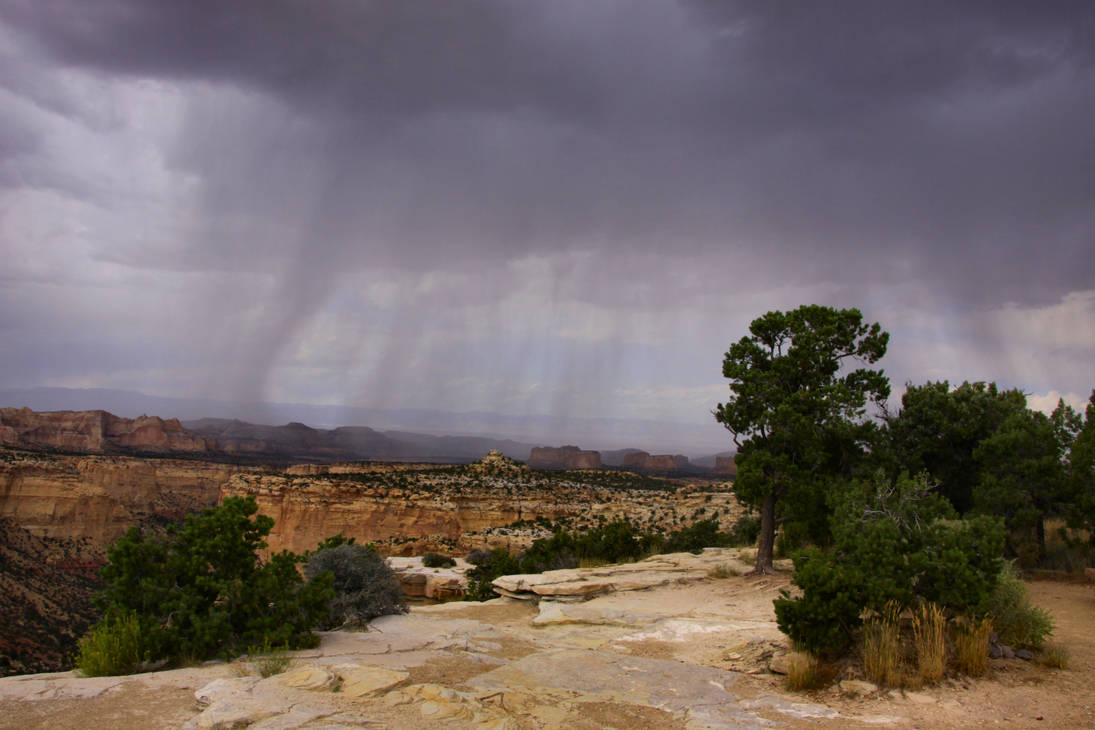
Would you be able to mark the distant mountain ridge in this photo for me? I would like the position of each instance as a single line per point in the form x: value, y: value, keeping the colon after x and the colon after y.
x: 100, y: 432
x: 698, y: 441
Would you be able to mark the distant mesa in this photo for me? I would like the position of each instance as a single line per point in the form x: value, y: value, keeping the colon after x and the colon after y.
x: 563, y: 457
x: 725, y: 465
x: 656, y: 464
x: 98, y: 432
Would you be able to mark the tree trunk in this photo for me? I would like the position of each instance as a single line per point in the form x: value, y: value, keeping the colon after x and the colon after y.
x: 766, y: 542
x: 1041, y: 538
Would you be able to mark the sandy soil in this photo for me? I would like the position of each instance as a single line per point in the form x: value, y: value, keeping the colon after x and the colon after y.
x: 1013, y: 693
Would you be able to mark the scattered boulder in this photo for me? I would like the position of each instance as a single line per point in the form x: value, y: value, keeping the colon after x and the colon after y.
x: 857, y: 687
x: 362, y: 681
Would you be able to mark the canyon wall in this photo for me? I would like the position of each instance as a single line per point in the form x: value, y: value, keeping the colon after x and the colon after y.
x: 100, y: 497
x: 97, y: 432
x: 725, y: 465
x: 457, y: 509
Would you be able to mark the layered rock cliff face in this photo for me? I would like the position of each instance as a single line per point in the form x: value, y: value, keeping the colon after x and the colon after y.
x: 563, y: 457
x: 656, y: 464
x: 97, y: 432
x: 725, y: 465
x: 459, y: 508
x: 45, y: 599
x: 100, y: 497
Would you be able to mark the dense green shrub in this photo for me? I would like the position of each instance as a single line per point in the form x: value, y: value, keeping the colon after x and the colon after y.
x: 892, y: 542
x: 112, y: 647
x: 433, y: 560
x: 695, y: 538
x: 199, y: 590
x: 364, y: 585
x: 1016, y: 621
x: 745, y: 530
x: 488, y: 566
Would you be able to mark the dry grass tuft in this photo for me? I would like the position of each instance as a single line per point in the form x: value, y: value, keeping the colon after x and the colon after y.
x: 930, y: 636
x: 265, y: 661
x: 723, y: 570
x: 881, y: 647
x: 1054, y: 655
x: 803, y: 672
x: 971, y: 644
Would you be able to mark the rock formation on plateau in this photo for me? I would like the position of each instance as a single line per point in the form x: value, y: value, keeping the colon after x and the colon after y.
x: 725, y: 465
x: 656, y: 464
x: 563, y: 457
x: 97, y: 432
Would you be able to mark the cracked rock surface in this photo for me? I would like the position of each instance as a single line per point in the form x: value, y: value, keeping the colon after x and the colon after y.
x: 692, y: 651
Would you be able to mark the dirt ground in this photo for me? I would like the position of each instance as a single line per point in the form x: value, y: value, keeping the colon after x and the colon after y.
x: 1012, y: 694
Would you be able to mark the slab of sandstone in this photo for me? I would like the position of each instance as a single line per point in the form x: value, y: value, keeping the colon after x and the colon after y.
x: 584, y: 583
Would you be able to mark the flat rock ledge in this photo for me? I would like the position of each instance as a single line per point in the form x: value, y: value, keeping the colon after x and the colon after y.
x: 582, y: 584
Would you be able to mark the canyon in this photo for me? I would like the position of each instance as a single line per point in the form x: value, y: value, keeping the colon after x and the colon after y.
x: 59, y: 512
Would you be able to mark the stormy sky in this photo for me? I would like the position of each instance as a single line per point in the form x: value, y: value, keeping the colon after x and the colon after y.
x: 565, y: 208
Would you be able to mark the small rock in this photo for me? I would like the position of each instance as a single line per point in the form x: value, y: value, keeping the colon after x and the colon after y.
x: 778, y: 664
x: 856, y: 687
x: 312, y: 678
x: 359, y: 681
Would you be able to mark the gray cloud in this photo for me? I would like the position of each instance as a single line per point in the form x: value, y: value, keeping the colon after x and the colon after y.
x: 677, y: 157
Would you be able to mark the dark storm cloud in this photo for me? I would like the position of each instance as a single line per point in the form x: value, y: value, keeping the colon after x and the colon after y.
x: 629, y: 163
x: 955, y: 133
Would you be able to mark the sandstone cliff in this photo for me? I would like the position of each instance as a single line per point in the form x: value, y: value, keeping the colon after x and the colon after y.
x: 405, y: 510
x: 563, y: 457
x: 100, y: 497
x: 656, y: 464
x: 97, y: 432
x: 725, y: 465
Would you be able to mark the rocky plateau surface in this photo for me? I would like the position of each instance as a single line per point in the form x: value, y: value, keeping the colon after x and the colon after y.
x: 683, y: 650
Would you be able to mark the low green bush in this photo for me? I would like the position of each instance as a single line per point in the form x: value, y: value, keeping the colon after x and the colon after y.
x: 892, y: 542
x: 199, y: 589
x: 745, y: 531
x: 1017, y: 622
x: 695, y: 538
x: 433, y: 560
x: 488, y: 566
x: 112, y: 647
x: 364, y: 585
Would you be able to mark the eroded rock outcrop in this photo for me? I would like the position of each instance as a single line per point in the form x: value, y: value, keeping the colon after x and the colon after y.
x: 460, y: 507
x: 656, y: 464
x: 725, y: 465
x: 563, y: 457
x: 100, y: 497
x: 97, y: 432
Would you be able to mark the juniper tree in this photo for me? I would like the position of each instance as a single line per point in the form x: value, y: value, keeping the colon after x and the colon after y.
x: 797, y: 409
